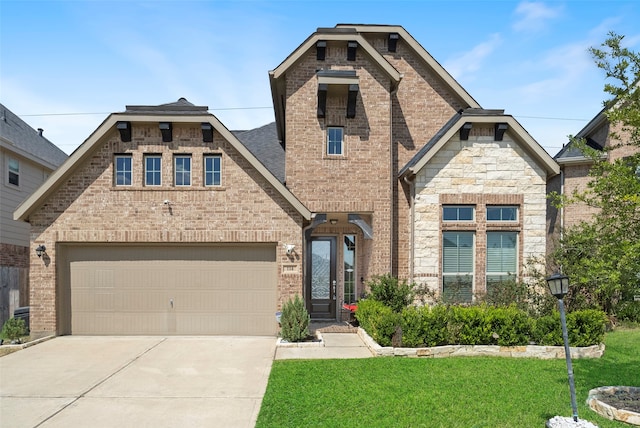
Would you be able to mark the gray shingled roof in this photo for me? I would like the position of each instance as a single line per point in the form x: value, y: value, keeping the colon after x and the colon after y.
x: 569, y: 150
x: 18, y: 136
x: 263, y: 143
x: 180, y: 107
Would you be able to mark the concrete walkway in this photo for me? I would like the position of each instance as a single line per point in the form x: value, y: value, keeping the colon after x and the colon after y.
x: 335, y: 345
x: 76, y: 381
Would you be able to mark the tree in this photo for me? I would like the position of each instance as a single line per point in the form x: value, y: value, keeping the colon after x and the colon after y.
x: 602, y: 256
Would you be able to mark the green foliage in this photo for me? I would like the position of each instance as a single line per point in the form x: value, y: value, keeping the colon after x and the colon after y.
x: 294, y: 320
x: 510, y: 326
x: 629, y: 311
x: 413, y: 324
x: 602, y: 256
x: 13, y: 329
x: 435, y: 328
x: 584, y: 328
x: 392, y: 292
x: 379, y: 320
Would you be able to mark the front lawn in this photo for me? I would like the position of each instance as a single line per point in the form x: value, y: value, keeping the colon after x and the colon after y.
x: 448, y: 392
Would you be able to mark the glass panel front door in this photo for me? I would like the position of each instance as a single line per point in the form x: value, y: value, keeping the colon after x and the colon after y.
x: 321, y: 277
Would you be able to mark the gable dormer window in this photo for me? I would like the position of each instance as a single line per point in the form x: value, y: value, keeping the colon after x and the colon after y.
x: 14, y: 172
x: 122, y: 170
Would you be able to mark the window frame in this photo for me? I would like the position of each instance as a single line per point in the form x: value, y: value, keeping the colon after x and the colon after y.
x: 457, y: 208
x: 148, y: 157
x: 516, y: 209
x: 504, y: 275
x: 349, y: 277
x: 213, y: 172
x: 468, y: 276
x: 184, y: 173
x: 12, y: 173
x: 332, y: 144
x: 117, y: 171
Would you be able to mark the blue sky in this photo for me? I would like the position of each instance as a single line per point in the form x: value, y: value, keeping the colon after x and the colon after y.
x: 65, y: 65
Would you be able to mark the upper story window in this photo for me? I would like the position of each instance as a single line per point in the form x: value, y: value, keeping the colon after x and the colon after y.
x: 502, y: 213
x: 212, y: 170
x: 458, y: 212
x: 14, y: 172
x: 182, y: 170
x: 153, y: 170
x: 123, y: 171
x: 334, y: 141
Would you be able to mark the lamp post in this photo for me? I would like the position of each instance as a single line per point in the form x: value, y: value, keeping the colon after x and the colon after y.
x: 559, y: 286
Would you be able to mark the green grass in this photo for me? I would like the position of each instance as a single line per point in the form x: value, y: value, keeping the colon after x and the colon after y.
x: 449, y: 392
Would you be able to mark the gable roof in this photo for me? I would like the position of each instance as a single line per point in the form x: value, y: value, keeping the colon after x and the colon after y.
x: 572, y: 154
x: 181, y: 112
x: 473, y: 115
x: 264, y: 144
x: 17, y: 136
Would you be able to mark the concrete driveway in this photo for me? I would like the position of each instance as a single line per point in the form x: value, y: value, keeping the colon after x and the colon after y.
x: 75, y: 381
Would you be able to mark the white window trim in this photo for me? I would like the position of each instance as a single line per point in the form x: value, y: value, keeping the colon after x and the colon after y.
x: 212, y: 155
x: 175, y: 170
x: 115, y: 170
x: 473, y: 213
x: 517, y: 208
x: 152, y: 156
x: 9, y: 172
x: 341, y: 141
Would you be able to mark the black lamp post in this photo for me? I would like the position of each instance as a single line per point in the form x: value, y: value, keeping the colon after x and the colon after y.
x: 559, y: 287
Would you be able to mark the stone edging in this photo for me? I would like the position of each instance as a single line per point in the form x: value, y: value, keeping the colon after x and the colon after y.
x: 611, y: 412
x: 28, y: 344
x: 529, y: 351
x: 284, y: 344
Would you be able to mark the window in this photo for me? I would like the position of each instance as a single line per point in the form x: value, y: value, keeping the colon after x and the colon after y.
x: 14, y: 172
x: 457, y: 213
x: 457, y: 266
x: 153, y: 170
x: 502, y: 257
x: 182, y: 170
x: 505, y: 213
x: 349, y: 255
x: 123, y: 170
x: 212, y: 172
x: 334, y: 141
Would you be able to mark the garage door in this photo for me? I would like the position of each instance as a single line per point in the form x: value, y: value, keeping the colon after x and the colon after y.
x: 158, y: 290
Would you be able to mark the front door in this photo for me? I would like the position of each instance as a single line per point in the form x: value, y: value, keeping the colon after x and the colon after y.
x: 321, y: 277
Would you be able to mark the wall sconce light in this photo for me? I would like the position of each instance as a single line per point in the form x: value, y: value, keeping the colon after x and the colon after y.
x: 166, y: 129
x: 333, y: 221
x: 40, y: 250
x: 289, y: 248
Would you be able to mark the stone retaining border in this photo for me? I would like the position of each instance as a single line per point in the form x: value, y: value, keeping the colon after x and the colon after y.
x: 529, y: 351
x: 318, y: 343
x: 611, y: 412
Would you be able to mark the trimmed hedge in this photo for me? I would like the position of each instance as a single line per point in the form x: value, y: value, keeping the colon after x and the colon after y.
x: 476, y: 325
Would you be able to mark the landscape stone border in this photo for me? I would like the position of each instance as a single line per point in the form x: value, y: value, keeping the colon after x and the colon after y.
x: 318, y: 342
x: 529, y: 351
x: 609, y: 411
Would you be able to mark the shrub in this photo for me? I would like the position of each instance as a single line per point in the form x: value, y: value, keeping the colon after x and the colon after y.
x: 13, y: 329
x: 436, y: 320
x: 378, y: 320
x: 547, y: 330
x: 393, y: 293
x: 629, y: 311
x: 412, y: 323
x: 584, y: 328
x: 294, y: 320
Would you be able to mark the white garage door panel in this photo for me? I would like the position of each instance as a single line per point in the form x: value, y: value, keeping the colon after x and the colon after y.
x: 228, y: 290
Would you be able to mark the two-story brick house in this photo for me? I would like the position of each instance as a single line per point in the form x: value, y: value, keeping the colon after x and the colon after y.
x: 164, y: 222
x: 27, y: 158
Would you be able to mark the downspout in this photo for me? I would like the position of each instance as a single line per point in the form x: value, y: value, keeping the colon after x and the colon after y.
x: 412, y: 192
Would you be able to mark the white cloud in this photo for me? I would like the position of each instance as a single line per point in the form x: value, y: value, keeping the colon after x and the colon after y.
x: 471, y: 61
x: 533, y: 16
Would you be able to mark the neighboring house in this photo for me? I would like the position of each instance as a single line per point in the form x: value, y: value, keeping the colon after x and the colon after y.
x: 27, y: 158
x: 574, y: 174
x: 164, y: 222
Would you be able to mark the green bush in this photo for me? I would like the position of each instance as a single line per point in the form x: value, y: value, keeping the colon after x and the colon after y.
x: 629, y: 311
x: 436, y: 320
x: 378, y: 320
x: 294, y: 320
x: 412, y: 324
x: 509, y: 326
x: 584, y: 328
x: 13, y: 329
x: 393, y: 293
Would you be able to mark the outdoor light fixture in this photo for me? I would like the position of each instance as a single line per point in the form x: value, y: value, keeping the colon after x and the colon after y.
x: 40, y: 250
x: 559, y: 287
x: 333, y: 221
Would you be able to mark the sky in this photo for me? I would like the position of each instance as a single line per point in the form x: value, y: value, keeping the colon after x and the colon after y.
x: 66, y: 65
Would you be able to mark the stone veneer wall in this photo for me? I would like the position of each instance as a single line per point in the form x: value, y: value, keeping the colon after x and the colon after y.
x: 478, y: 171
